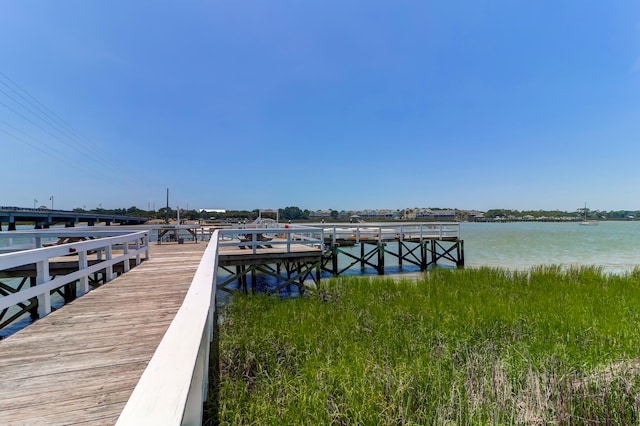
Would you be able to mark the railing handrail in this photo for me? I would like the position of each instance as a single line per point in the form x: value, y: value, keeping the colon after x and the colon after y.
x: 20, y: 258
x: 174, y: 384
x: 398, y: 229
x: 383, y: 224
x: 87, y: 231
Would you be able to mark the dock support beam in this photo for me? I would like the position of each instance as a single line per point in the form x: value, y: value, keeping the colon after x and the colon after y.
x: 380, y: 267
x: 254, y: 281
x: 460, y: 263
x: 426, y: 253
x: 434, y: 253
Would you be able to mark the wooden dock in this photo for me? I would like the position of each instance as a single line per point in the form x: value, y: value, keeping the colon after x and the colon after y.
x: 289, y: 264
x: 80, y: 364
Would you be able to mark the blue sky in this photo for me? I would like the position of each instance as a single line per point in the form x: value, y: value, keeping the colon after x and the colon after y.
x: 321, y: 104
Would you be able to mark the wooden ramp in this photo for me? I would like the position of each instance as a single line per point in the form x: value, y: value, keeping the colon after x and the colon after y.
x: 80, y: 364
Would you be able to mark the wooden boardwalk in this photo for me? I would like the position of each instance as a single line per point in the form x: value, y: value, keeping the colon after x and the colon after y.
x: 80, y: 364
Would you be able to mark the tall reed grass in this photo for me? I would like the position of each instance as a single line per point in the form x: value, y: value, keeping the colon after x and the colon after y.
x: 482, y: 346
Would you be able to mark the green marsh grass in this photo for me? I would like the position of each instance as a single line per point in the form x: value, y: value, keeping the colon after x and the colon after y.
x: 476, y: 346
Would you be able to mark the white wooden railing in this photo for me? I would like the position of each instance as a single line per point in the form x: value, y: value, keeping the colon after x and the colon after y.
x: 131, y: 245
x: 283, y: 237
x: 174, y: 384
x: 389, y: 231
x: 11, y: 241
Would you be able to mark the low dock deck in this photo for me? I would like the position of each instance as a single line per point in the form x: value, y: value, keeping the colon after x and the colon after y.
x: 274, y: 250
x: 80, y: 364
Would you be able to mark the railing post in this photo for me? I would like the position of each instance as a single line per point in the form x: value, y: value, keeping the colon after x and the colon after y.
x: 109, y: 269
x: 400, y: 240
x: 42, y: 276
x: 380, y: 266
x: 138, y: 251
x: 126, y: 264
x: 84, y: 280
x: 289, y: 241
x: 146, y: 239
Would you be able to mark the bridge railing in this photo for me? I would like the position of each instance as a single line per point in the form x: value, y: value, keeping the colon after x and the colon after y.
x: 174, y: 384
x: 132, y: 245
x: 11, y: 215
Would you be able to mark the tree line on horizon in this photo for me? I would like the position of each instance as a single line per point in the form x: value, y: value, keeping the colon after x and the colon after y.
x: 287, y: 213
x: 297, y: 214
x: 613, y: 214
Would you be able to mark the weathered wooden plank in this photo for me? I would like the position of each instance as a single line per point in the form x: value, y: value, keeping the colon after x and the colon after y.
x: 51, y: 352
x: 111, y: 379
x: 96, y: 405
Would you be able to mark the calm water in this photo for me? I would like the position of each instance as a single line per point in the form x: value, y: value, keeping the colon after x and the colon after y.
x: 613, y: 245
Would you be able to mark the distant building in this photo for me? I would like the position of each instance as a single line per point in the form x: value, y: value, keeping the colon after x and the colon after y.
x: 320, y: 213
x: 428, y: 214
x: 475, y: 215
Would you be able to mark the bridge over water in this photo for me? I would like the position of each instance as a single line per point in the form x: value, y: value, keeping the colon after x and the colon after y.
x: 136, y: 349
x: 44, y: 218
